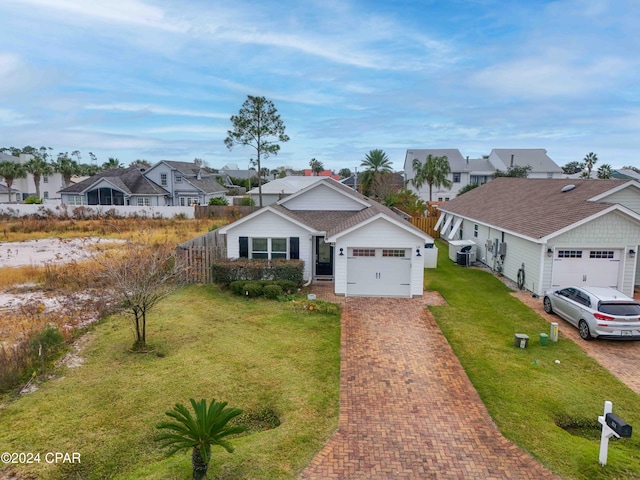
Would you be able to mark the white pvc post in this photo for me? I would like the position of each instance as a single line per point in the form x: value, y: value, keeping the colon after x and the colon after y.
x: 607, y: 432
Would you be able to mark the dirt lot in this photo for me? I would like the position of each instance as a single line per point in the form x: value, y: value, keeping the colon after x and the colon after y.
x: 49, y: 250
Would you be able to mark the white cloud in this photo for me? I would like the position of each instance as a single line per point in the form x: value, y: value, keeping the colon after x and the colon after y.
x: 154, y: 109
x: 11, y: 118
x: 120, y: 11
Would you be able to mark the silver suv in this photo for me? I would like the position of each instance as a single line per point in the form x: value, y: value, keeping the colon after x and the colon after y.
x: 596, y: 311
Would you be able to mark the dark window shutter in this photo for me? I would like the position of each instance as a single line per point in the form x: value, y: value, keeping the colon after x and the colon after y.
x: 244, y: 247
x: 294, y: 248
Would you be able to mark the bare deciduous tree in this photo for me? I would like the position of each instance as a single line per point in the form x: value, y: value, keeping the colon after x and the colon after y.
x: 141, y: 275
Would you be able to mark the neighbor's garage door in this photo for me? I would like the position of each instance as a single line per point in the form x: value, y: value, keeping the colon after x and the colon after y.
x: 586, y: 267
x: 378, y: 272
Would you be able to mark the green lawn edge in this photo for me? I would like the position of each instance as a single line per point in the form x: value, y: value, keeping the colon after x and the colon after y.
x: 207, y: 344
x: 525, y: 390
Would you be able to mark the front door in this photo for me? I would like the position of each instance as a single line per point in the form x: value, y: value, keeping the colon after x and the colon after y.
x: 324, y: 258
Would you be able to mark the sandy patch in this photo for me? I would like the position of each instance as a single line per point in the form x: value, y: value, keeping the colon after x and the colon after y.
x: 48, y: 250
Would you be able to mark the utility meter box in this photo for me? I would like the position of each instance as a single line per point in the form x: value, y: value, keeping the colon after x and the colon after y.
x: 521, y: 340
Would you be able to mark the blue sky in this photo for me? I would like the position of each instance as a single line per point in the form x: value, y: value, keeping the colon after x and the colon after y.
x: 156, y: 79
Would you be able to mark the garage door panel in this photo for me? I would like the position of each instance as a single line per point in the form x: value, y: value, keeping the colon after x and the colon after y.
x: 586, y: 267
x: 379, y: 276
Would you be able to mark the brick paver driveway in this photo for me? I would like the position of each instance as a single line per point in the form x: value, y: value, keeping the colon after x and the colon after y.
x: 407, y: 408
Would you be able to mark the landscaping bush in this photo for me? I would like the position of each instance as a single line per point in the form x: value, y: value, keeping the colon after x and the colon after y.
x: 252, y: 289
x: 272, y: 291
x: 220, y: 201
x: 32, y: 200
x: 225, y: 271
x: 287, y: 286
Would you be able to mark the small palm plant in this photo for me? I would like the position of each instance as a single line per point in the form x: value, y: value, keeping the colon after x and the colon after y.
x: 208, y: 428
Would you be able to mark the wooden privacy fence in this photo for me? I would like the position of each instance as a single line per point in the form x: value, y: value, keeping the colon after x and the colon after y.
x: 198, y: 255
x: 427, y: 225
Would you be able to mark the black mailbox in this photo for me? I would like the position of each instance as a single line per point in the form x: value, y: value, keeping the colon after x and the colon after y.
x: 618, y: 425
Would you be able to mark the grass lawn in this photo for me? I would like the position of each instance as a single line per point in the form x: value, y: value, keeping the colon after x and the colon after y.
x: 525, y: 391
x: 251, y: 353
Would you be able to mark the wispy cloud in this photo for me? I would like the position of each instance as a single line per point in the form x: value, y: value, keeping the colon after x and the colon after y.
x: 154, y: 109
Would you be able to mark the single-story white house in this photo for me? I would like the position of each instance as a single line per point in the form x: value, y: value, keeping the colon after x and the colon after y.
x: 555, y: 232
x: 342, y: 236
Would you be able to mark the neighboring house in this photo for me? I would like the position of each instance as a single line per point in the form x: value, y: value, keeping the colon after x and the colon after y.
x: 324, y: 173
x: 116, y: 186
x: 49, y: 184
x: 465, y: 171
x: 281, y: 187
x: 362, y: 246
x: 16, y: 195
x: 626, y: 174
x: 558, y: 231
x: 187, y: 182
x: 231, y: 170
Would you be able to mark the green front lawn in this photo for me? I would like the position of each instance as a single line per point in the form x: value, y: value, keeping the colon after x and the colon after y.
x: 255, y: 354
x: 525, y: 391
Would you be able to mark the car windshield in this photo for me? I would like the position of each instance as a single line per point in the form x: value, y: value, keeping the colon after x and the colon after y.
x: 620, y: 309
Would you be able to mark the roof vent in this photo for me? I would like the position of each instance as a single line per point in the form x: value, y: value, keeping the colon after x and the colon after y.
x: 568, y: 188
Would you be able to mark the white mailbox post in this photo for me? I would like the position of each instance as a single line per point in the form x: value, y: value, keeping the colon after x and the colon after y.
x: 612, y: 425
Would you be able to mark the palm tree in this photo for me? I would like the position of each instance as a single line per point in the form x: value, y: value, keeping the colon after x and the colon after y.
x: 112, y: 163
x: 316, y: 166
x: 589, y: 161
x: 434, y: 171
x: 605, y: 171
x: 10, y: 171
x: 199, y: 434
x: 38, y: 167
x: 375, y: 162
x: 67, y: 167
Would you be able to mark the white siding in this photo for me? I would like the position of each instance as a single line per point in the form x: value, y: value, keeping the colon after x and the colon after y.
x: 379, y: 234
x: 628, y: 197
x: 325, y: 198
x: 270, y: 225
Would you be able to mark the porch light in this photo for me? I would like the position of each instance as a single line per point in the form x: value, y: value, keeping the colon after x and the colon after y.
x: 418, y: 252
x: 549, y: 252
x: 342, y: 252
x: 632, y: 253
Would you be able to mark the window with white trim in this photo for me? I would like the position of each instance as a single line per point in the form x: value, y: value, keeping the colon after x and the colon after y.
x: 601, y: 254
x: 268, y: 248
x: 393, y: 252
x: 364, y: 252
x: 475, y: 230
x: 45, y: 179
x: 46, y: 195
x: 456, y: 177
x: 163, y: 179
x: 143, y: 201
x: 178, y: 178
x: 569, y: 253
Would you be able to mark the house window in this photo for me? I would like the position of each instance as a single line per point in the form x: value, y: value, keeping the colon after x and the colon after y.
x: 364, y: 252
x: 178, y: 178
x: 456, y: 177
x: 475, y: 230
x: 163, y: 179
x: 439, y: 199
x: 143, y: 201
x: 388, y: 252
x: 601, y: 254
x: 268, y: 248
x: 45, y: 178
x: 569, y: 253
x: 549, y: 174
x: 188, y: 201
x: 46, y: 195
x: 446, y: 199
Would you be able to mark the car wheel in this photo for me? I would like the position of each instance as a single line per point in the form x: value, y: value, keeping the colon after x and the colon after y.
x: 547, y: 305
x: 583, y: 328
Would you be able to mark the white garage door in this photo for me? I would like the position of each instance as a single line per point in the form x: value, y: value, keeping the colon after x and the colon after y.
x: 586, y: 267
x: 379, y: 272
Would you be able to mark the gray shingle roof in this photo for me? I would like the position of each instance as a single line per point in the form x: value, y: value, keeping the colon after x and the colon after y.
x: 531, y: 207
x: 334, y: 222
x: 130, y: 180
x: 537, y: 158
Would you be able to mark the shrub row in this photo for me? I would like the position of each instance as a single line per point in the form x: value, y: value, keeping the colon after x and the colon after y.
x: 226, y: 271
x: 263, y: 288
